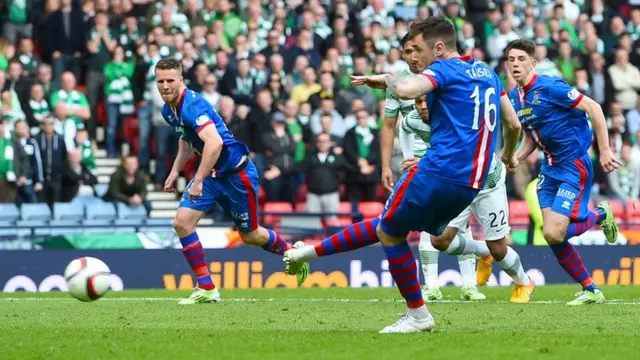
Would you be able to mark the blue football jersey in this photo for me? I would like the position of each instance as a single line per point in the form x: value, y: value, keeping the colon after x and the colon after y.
x: 464, y: 112
x: 192, y: 115
x: 546, y: 109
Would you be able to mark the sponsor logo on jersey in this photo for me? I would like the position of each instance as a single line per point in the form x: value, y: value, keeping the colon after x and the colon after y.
x: 566, y: 194
x: 566, y: 205
x: 525, y: 112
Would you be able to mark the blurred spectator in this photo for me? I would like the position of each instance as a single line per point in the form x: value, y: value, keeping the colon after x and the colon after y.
x: 65, y: 37
x: 17, y: 23
x: 53, y: 153
x: 65, y: 127
x: 327, y: 124
x: 497, y: 42
x: 10, y: 108
x: 322, y: 168
x: 17, y: 81
x: 210, y: 90
x: 33, y: 178
x: 362, y: 155
x: 327, y: 107
x: 633, y: 119
x: 75, y: 175
x: 566, y: 62
x: 279, y: 148
x: 239, y: 84
x: 301, y: 93
x: 278, y: 92
x: 258, y: 124
x: 85, y: 147
x: 626, y: 80
x: 625, y: 183
x: 8, y: 171
x: 45, y: 78
x: 128, y: 184
x: 37, y: 108
x: 101, y: 43
x: 166, y: 136
x: 600, y: 81
x: 616, y: 123
x: 118, y: 74
x: 75, y: 102
x: 26, y: 56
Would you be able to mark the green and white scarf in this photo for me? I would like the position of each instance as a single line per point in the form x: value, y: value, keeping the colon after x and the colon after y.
x: 364, y: 138
x: 7, y: 169
x: 40, y: 109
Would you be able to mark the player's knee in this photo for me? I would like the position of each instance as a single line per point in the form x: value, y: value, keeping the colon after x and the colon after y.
x: 183, y: 225
x: 553, y: 233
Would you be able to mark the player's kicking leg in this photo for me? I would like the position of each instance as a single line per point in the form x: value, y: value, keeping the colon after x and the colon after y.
x: 240, y: 198
x: 185, y: 225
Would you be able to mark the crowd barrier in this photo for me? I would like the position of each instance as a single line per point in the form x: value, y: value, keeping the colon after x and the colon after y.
x: 247, y: 267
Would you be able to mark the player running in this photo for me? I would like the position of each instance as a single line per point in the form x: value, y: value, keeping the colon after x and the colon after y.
x: 447, y: 179
x: 225, y: 175
x: 554, y: 117
x: 414, y: 133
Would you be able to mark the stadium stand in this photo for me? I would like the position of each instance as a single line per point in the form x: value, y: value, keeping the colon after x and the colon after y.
x: 592, y: 44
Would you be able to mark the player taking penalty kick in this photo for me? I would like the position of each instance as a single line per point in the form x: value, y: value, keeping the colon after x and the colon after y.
x: 226, y: 175
x: 554, y: 118
x: 447, y: 179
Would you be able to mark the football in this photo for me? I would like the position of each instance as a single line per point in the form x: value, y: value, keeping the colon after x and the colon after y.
x: 88, y: 278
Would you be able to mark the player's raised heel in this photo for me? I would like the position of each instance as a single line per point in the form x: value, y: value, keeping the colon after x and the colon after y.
x: 609, y: 225
x: 294, y: 263
x: 522, y: 294
x: 587, y: 297
x: 409, y: 324
x: 431, y: 294
x: 201, y: 296
x: 484, y: 269
x: 471, y: 293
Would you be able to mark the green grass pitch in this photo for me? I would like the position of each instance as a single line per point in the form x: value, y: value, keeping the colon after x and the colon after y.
x: 317, y: 324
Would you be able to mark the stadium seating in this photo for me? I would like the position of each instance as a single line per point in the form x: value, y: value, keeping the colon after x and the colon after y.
x: 518, y: 213
x: 9, y: 213
x: 103, y: 211
x: 101, y: 190
x: 62, y: 227
x: 370, y: 209
x: 68, y: 211
x: 40, y: 212
x: 633, y: 213
x: 345, y: 220
x: 618, y: 212
x: 276, y: 207
x: 127, y: 212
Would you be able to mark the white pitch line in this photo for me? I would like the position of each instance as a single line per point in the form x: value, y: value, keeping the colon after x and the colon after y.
x: 328, y: 300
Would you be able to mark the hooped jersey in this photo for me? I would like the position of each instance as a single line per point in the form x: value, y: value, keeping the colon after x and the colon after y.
x: 191, y: 116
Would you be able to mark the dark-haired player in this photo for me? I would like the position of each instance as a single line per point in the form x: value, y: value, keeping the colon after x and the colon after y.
x: 554, y: 118
x: 464, y: 101
x: 226, y: 175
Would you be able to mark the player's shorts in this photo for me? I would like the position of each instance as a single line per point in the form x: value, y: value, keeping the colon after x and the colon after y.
x: 237, y: 194
x: 423, y: 202
x: 491, y: 208
x: 566, y: 188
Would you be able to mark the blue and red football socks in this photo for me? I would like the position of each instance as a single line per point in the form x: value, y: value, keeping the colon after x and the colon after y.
x: 194, y: 253
x: 276, y: 244
x: 578, y: 228
x: 404, y: 271
x: 571, y: 262
x: 355, y: 236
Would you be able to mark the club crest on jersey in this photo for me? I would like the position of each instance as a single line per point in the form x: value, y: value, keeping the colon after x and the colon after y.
x: 573, y: 94
x: 536, y: 97
x: 201, y: 120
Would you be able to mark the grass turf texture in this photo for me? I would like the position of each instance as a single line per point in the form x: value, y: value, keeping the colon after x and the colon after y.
x: 317, y: 324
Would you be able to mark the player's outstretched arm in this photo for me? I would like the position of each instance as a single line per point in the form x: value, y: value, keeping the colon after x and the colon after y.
x: 409, y: 86
x: 372, y: 81
x: 608, y: 161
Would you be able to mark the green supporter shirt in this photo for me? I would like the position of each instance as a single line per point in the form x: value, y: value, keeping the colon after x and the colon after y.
x: 73, y: 99
x: 88, y: 158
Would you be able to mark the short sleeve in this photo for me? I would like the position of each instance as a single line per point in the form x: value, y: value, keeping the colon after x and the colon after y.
x: 561, y: 94
x: 435, y: 74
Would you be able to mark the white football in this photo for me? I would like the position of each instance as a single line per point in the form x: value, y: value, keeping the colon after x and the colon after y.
x: 88, y: 278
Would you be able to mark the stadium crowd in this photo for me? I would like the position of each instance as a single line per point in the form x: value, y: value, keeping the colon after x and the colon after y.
x: 278, y: 74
